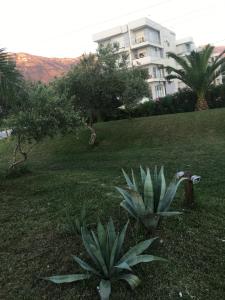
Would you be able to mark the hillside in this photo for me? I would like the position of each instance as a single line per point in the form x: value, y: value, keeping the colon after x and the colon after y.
x: 45, y: 69
x: 65, y: 172
x: 42, y: 68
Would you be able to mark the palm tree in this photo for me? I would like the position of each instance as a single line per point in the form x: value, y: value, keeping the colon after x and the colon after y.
x: 198, y: 72
x: 10, y: 78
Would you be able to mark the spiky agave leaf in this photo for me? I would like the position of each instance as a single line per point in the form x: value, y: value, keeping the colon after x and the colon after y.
x: 92, y: 251
x: 169, y: 213
x: 121, y: 239
x: 67, y: 278
x: 148, y: 193
x: 111, y: 233
x: 105, y: 289
x: 129, y: 209
x: 131, y: 279
x: 84, y: 265
x: 134, y: 201
x: 165, y: 202
x: 129, y: 182
x: 137, y: 249
x: 134, y: 181
x: 143, y: 175
x: 162, y: 183
x: 134, y: 260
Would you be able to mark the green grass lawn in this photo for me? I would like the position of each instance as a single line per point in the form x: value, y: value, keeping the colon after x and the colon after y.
x: 66, y: 172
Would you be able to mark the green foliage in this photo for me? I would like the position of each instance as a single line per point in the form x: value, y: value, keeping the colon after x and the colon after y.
x: 216, y: 96
x: 101, y: 82
x: 10, y: 81
x: 150, y: 201
x: 135, y: 87
x: 182, y: 101
x: 108, y: 262
x: 41, y: 114
x: 75, y: 223
x: 197, y: 71
x: 36, y: 114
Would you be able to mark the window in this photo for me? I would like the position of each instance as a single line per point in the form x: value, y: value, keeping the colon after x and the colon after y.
x: 139, y: 37
x: 156, y: 52
x: 157, y: 72
x: 159, y: 91
x: 154, y: 36
x: 188, y: 47
x: 140, y: 53
x: 119, y: 40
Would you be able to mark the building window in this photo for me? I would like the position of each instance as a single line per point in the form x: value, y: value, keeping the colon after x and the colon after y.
x: 140, y: 53
x: 154, y: 36
x: 139, y: 37
x: 157, y: 72
x: 119, y: 40
x: 188, y: 47
x: 156, y: 52
x: 159, y: 91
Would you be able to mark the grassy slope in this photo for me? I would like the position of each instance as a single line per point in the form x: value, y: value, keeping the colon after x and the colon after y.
x: 67, y: 173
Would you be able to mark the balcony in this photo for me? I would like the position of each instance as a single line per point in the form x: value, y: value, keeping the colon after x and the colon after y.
x: 141, y: 42
x: 148, y: 60
x: 156, y: 79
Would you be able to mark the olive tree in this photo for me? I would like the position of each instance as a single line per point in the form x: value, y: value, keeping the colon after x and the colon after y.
x: 36, y: 115
x: 100, y: 83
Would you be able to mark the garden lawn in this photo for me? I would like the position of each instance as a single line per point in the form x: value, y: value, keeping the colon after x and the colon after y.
x: 64, y: 173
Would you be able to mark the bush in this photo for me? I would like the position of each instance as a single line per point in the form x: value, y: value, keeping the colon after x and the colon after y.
x: 108, y: 262
x: 216, y: 96
x: 182, y: 101
x: 144, y: 109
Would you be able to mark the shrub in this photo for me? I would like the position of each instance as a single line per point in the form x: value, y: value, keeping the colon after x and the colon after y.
x: 107, y: 259
x: 216, y: 96
x: 150, y: 201
x: 144, y: 109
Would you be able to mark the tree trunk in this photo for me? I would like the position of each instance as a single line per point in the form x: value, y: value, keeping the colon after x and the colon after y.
x: 18, y: 148
x: 93, y: 134
x: 201, y: 103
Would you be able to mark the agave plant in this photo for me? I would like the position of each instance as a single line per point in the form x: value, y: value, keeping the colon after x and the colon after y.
x: 152, y: 200
x: 108, y: 262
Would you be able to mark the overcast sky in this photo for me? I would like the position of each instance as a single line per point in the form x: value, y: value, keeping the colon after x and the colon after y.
x: 64, y: 28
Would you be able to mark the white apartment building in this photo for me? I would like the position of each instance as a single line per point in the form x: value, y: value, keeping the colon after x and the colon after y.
x: 184, y: 47
x: 146, y: 43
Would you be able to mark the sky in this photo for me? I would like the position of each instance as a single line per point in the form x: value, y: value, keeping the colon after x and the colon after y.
x: 65, y: 28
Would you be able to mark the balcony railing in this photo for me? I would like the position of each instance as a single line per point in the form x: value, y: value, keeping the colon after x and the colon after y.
x: 140, y: 40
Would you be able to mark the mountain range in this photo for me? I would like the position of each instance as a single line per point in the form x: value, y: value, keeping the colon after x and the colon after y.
x: 41, y: 68
x: 45, y: 69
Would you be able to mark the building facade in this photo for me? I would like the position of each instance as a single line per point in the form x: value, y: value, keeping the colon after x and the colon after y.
x: 184, y: 48
x: 217, y: 51
x: 146, y: 44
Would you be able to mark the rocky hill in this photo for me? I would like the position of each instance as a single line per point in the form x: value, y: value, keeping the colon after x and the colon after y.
x: 42, y: 68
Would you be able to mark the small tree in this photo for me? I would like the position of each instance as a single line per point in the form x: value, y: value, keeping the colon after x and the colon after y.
x: 135, y: 87
x: 198, y: 72
x: 101, y: 83
x: 38, y: 115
